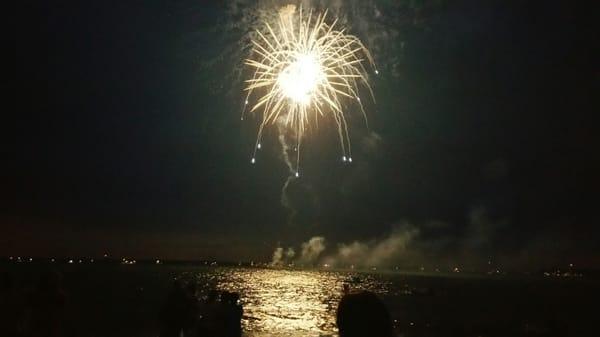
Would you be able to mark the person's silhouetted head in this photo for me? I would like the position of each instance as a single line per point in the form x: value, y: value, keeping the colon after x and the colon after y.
x: 235, y: 297
x: 230, y: 298
x: 363, y: 314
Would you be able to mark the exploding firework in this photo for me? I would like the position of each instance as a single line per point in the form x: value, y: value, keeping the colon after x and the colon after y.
x: 305, y: 69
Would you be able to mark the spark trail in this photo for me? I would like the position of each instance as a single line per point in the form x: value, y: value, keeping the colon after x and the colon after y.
x: 305, y: 69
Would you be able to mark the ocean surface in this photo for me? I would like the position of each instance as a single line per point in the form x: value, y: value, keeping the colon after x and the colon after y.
x: 124, y: 300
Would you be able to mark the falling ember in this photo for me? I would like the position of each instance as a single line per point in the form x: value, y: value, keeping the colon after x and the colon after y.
x: 305, y: 69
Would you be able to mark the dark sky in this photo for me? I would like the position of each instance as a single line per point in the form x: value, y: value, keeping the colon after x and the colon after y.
x: 126, y: 135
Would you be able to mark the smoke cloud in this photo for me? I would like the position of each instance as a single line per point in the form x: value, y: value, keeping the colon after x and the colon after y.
x: 297, y: 197
x: 282, y: 257
x: 360, y: 254
x: 312, y: 249
x: 432, y: 245
x: 286, y: 200
x: 290, y: 253
x: 277, y: 256
x: 309, y: 255
x: 373, y: 253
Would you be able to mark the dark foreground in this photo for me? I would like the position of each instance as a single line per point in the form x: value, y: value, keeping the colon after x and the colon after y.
x: 130, y: 300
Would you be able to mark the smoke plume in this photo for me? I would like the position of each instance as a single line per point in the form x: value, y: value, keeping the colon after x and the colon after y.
x: 311, y: 250
x: 286, y: 200
x: 282, y: 256
x: 277, y: 256
x: 375, y: 253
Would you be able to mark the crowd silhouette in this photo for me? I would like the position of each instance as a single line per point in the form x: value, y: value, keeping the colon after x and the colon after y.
x: 363, y: 314
x: 41, y: 311
x: 359, y: 314
x: 219, y: 315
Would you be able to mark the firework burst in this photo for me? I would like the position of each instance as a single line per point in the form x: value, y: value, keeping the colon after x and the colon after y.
x: 305, y: 69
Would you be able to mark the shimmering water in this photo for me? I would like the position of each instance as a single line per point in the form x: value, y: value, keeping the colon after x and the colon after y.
x: 287, y: 302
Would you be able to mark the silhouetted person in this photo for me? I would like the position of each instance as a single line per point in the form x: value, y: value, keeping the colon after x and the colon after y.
x: 207, y: 325
x: 221, y: 317
x: 232, y: 315
x: 173, y: 315
x: 363, y: 315
x: 11, y: 307
x: 191, y: 307
x: 48, y: 304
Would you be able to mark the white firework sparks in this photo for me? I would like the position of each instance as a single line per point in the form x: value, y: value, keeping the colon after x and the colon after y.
x: 305, y: 69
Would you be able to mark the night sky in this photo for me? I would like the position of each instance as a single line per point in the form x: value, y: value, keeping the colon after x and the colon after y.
x: 126, y: 136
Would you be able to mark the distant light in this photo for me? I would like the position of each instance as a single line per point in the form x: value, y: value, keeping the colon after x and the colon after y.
x: 253, y: 160
x: 10, y: 258
x: 105, y: 255
x: 350, y: 159
x: 358, y: 98
x: 297, y: 174
x: 30, y: 259
x: 258, y: 146
x: 92, y: 260
x: 80, y: 261
x: 70, y: 261
x: 157, y: 261
x: 246, y: 102
x: 52, y: 260
x: 376, y: 72
x: 344, y: 158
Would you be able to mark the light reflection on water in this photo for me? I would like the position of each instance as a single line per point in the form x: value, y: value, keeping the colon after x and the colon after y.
x: 287, y: 302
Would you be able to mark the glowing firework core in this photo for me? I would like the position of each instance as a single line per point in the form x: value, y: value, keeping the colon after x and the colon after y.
x: 299, y: 80
x: 306, y: 69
